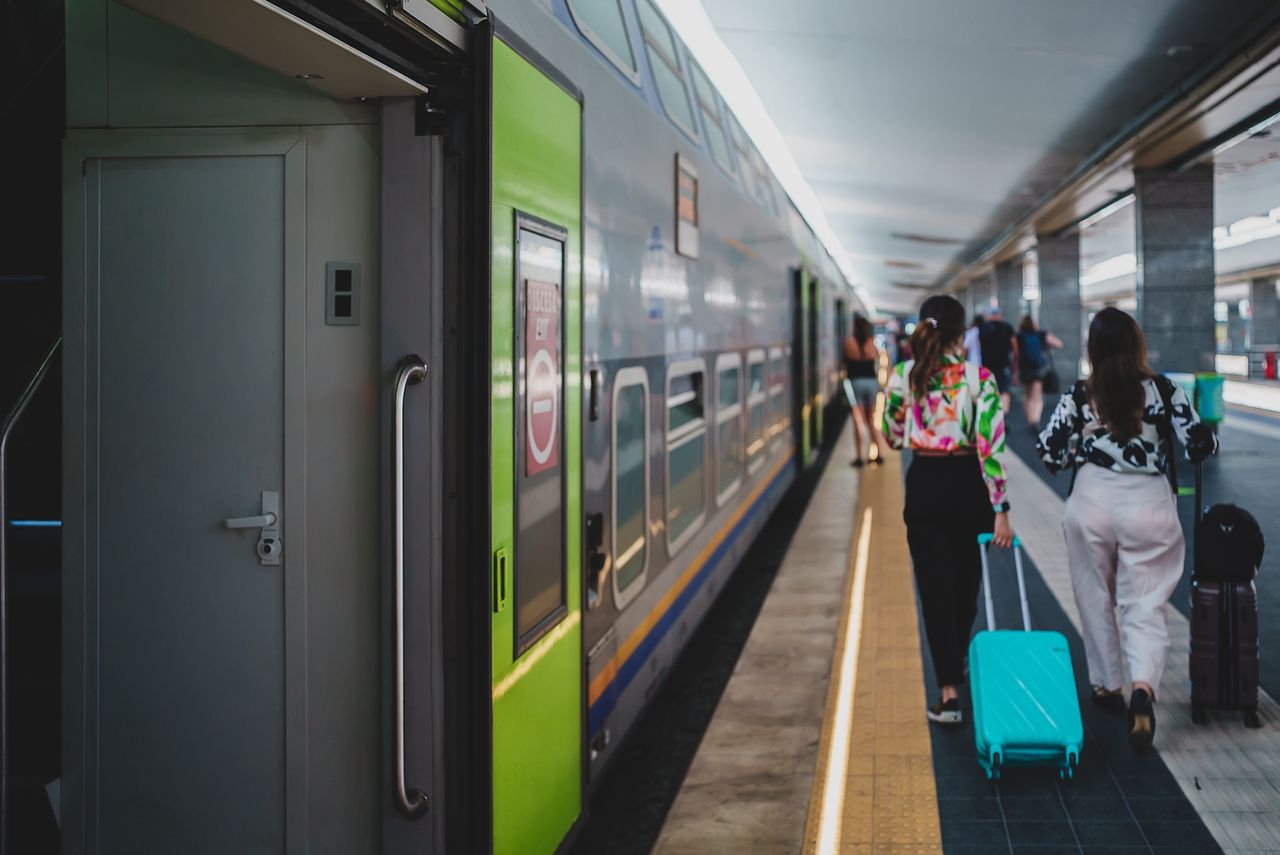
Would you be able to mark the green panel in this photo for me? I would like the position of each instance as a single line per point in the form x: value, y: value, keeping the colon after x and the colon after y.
x: 817, y: 392
x: 537, y: 699
x: 803, y: 379
x: 452, y: 8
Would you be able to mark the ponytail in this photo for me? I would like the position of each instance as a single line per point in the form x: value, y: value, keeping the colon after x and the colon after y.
x: 941, y: 327
x: 927, y: 348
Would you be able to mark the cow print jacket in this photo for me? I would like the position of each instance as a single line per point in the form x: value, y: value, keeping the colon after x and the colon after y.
x: 1076, y: 436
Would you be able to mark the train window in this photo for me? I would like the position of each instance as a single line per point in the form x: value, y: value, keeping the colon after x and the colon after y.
x: 757, y: 404
x: 740, y: 144
x: 709, y: 102
x: 728, y: 426
x: 779, y: 419
x: 630, y: 483
x: 766, y: 186
x: 602, y: 23
x: 686, y: 449
x: 664, y: 60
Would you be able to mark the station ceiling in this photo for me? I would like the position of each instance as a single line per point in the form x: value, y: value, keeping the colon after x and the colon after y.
x: 926, y: 126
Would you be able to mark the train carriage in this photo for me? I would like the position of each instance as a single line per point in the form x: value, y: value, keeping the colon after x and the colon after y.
x: 418, y: 402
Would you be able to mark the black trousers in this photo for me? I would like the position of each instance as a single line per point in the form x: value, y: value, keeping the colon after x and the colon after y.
x: 947, y: 507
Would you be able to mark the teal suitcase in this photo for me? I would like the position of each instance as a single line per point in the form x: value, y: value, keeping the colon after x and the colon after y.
x: 1025, y: 708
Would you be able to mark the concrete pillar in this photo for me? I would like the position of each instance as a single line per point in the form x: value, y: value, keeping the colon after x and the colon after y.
x: 1058, y: 259
x: 1266, y: 312
x: 1235, y: 328
x: 1174, y: 215
x: 965, y: 295
x: 1009, y: 290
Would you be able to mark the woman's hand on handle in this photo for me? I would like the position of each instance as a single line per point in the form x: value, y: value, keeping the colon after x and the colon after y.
x: 1003, y: 536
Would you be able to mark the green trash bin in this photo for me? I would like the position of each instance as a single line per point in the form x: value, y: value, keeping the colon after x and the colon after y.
x: 1186, y: 380
x: 1209, y: 397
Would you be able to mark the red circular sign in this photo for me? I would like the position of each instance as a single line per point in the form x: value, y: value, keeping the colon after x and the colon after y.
x: 543, y: 412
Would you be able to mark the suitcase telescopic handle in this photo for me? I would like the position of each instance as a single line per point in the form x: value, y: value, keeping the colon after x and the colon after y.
x: 984, y: 540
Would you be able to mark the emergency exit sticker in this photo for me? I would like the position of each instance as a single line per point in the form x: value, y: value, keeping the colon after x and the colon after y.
x: 541, y: 375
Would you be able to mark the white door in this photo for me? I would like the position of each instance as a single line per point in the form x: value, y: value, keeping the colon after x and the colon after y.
x: 184, y: 622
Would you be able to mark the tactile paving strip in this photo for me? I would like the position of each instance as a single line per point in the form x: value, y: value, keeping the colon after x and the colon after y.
x: 890, y: 799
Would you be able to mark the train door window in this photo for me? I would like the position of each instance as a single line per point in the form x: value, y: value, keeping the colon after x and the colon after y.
x: 746, y: 170
x: 757, y: 399
x: 665, y: 62
x: 539, y: 565
x: 601, y: 22
x: 630, y: 483
x: 686, y: 451
x: 728, y: 426
x: 779, y: 421
x: 709, y: 103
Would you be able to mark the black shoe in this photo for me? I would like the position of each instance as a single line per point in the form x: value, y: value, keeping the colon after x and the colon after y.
x: 1111, y: 700
x: 1142, y: 720
x: 857, y: 463
x: 945, y: 712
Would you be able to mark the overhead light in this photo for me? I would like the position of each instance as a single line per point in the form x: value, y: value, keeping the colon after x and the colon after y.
x: 1102, y: 213
x: 309, y: 76
x: 1255, y: 130
x: 1174, y: 50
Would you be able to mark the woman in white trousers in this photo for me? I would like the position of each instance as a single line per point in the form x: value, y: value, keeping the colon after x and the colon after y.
x: 1124, y: 540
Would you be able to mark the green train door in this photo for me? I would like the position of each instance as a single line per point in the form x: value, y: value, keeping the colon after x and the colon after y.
x: 812, y: 351
x: 536, y: 442
x: 808, y: 400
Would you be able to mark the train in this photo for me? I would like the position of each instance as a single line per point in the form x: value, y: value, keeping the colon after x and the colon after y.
x: 427, y: 370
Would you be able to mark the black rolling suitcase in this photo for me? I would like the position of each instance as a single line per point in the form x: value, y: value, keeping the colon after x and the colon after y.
x: 1228, y: 549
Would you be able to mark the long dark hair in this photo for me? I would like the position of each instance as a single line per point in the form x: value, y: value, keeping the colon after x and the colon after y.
x: 941, y: 327
x: 1118, y: 371
x: 862, y: 330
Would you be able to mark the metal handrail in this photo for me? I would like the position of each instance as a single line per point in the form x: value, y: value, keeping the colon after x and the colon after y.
x: 15, y: 414
x: 411, y: 801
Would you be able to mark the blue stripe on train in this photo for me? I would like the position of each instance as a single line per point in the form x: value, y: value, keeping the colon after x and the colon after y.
x: 608, y: 699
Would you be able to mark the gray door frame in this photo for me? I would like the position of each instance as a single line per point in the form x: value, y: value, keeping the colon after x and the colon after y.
x: 411, y: 319
x: 79, y: 787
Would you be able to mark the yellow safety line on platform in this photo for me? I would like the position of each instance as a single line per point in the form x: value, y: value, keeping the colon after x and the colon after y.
x: 874, y: 788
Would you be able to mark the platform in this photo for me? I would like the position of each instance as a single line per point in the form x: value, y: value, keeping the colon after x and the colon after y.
x: 820, y: 743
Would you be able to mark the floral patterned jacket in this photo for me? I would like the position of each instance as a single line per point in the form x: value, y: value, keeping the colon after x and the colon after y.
x: 949, y: 417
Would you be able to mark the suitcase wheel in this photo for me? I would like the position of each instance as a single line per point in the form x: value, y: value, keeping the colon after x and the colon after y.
x: 1200, y: 716
x: 993, y: 771
x: 1068, y: 772
x: 1251, y: 719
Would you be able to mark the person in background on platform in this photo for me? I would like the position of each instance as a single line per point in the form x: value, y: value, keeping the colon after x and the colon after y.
x: 1124, y: 540
x: 1033, y: 362
x: 946, y: 411
x: 902, y: 345
x: 862, y: 366
x: 972, y: 347
x: 999, y: 347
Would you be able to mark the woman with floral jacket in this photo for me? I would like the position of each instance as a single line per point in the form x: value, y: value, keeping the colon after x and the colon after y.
x: 947, y: 412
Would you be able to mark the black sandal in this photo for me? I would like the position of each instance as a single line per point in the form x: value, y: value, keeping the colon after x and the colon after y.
x: 857, y: 463
x: 1142, y: 720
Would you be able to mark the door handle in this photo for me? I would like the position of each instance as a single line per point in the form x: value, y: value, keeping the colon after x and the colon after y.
x: 410, y: 801
x: 270, y: 544
x: 262, y: 521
